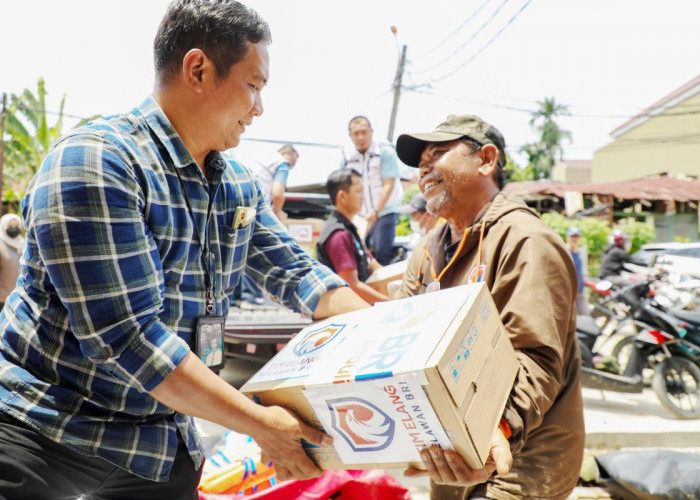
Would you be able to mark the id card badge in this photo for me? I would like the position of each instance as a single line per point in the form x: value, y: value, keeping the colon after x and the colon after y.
x: 243, y: 217
x: 209, y: 342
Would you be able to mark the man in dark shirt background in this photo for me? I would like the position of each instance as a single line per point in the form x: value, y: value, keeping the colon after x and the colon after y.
x: 339, y: 246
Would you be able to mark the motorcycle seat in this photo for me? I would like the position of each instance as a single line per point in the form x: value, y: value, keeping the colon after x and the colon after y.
x: 691, y: 317
x: 587, y: 324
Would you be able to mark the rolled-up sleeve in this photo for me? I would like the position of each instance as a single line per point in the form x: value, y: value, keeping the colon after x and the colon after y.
x: 87, y: 214
x: 282, y: 267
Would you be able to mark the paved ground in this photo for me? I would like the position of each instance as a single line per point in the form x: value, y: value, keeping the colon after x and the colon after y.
x: 613, y: 421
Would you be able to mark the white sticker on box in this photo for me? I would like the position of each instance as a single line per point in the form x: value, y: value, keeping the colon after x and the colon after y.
x: 378, y: 421
x: 302, y: 354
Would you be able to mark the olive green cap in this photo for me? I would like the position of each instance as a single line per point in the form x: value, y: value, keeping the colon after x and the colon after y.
x: 410, y: 146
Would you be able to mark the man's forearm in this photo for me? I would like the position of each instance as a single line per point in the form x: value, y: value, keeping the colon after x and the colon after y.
x: 195, y: 390
x: 338, y: 301
x: 277, y: 196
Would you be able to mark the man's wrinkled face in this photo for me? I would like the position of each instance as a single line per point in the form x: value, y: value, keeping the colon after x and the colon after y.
x: 361, y: 135
x: 448, y: 172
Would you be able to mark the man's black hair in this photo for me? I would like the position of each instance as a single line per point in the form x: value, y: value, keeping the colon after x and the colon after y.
x: 340, y: 180
x: 223, y: 29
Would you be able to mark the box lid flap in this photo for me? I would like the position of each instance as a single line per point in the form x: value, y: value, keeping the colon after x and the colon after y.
x: 400, y: 337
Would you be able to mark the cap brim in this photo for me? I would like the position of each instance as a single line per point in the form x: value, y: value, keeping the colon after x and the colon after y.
x: 409, y: 147
x: 406, y: 209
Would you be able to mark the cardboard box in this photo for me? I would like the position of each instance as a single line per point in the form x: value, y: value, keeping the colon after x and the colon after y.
x: 387, y: 381
x: 380, y: 279
x: 305, y: 232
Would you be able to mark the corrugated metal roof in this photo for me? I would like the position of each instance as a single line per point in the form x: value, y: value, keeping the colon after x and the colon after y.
x: 647, y: 188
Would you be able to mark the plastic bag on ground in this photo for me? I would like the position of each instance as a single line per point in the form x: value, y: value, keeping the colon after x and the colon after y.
x: 349, y: 484
x: 651, y: 474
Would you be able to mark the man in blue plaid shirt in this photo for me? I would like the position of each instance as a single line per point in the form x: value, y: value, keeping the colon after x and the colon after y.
x: 138, y: 228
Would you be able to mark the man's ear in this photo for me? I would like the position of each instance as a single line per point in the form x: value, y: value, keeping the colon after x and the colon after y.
x: 489, y: 159
x: 340, y: 197
x: 197, y: 69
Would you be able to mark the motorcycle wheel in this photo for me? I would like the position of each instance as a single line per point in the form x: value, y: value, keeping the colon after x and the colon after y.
x: 622, y: 350
x: 677, y: 385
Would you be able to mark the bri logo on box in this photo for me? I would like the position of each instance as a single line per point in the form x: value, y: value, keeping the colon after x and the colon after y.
x: 364, y: 426
x: 316, y: 339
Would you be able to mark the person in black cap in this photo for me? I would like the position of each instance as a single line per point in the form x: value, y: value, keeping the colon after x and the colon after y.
x: 421, y: 222
x: 494, y: 238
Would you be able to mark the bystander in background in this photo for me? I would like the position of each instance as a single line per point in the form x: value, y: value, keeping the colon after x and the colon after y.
x: 421, y: 222
x: 11, y: 246
x: 615, y: 257
x: 579, y: 254
x: 340, y: 246
x: 273, y: 173
x: 379, y: 167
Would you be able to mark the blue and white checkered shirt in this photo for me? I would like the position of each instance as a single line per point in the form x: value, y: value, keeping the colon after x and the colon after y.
x: 112, y: 281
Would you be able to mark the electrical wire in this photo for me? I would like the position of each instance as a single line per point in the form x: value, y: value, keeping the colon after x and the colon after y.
x: 461, y: 66
x: 457, y: 30
x: 474, y: 35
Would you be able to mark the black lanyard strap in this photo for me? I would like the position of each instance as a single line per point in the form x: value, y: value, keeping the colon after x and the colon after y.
x: 203, y: 243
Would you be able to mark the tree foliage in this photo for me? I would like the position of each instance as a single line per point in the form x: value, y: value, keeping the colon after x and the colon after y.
x: 547, y: 150
x: 28, y: 138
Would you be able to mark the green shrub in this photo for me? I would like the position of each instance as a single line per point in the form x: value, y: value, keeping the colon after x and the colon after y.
x: 595, y: 233
x: 403, y: 225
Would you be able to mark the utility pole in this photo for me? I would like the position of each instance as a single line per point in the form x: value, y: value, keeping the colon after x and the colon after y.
x: 2, y: 146
x: 397, y: 94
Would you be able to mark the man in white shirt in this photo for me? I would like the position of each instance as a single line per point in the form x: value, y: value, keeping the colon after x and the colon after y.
x: 272, y: 174
x: 379, y: 167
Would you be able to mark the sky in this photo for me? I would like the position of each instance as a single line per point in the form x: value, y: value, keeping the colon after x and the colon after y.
x: 606, y: 60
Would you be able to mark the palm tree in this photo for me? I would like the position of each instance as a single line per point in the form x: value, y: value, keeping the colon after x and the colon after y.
x: 549, y: 147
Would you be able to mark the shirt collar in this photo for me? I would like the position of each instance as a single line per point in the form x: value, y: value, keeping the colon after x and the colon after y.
x: 168, y: 136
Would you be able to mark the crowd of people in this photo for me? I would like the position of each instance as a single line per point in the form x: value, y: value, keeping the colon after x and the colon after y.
x: 117, y: 313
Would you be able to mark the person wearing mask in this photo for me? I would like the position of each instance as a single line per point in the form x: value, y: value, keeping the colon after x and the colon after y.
x: 494, y: 238
x: 339, y: 246
x: 379, y: 168
x: 11, y: 245
x: 138, y: 231
x: 421, y: 221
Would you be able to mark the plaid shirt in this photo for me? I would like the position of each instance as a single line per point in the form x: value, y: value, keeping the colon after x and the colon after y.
x: 113, y: 278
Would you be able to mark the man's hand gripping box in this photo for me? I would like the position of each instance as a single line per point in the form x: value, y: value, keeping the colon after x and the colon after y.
x: 388, y: 381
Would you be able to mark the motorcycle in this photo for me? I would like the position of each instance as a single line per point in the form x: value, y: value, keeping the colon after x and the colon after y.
x: 676, y: 377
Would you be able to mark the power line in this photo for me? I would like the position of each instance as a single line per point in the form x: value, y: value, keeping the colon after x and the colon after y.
x: 296, y: 143
x: 510, y: 21
x: 457, y: 30
x: 474, y: 35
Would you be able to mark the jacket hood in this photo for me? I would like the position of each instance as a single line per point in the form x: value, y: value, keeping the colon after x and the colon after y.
x: 501, y: 205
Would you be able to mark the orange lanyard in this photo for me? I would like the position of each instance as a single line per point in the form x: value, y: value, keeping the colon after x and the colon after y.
x: 426, y: 253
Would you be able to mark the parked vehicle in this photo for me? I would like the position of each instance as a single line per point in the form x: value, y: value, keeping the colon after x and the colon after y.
x: 675, y: 257
x: 658, y: 345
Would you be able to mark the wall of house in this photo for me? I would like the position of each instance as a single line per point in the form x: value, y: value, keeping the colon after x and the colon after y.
x: 669, y: 142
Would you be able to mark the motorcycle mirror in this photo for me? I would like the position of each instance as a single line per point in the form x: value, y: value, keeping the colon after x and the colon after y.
x: 603, y: 285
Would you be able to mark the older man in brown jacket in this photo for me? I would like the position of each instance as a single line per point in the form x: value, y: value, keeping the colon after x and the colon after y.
x: 495, y: 238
